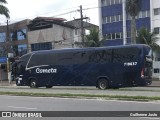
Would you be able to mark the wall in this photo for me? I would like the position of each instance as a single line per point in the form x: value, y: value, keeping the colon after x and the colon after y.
x: 155, y: 18
x: 156, y: 65
x: 61, y: 37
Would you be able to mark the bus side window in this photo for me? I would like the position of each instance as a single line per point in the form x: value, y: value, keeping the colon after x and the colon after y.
x: 101, y: 56
x: 82, y: 57
x: 125, y: 55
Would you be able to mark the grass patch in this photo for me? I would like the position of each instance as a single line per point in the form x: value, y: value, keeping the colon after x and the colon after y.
x: 89, y: 96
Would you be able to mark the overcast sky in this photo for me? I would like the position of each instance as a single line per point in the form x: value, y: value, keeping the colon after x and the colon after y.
x: 29, y: 9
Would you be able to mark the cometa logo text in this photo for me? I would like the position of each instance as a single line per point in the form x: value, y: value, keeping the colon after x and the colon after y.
x: 51, y: 70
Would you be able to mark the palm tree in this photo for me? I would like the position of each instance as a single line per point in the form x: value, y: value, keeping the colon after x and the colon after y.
x: 4, y: 10
x: 147, y: 37
x: 132, y: 8
x: 92, y: 40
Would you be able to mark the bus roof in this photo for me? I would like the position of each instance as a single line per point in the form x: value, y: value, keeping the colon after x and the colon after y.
x: 86, y: 49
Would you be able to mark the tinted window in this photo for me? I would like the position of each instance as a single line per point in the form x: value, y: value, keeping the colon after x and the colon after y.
x: 101, y: 56
x: 125, y: 54
x: 65, y: 58
x: 39, y: 59
x: 25, y: 58
x: 82, y: 57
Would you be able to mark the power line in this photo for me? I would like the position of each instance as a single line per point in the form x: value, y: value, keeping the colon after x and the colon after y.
x: 61, y: 14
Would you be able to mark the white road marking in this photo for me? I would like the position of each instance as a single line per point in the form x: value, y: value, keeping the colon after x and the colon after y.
x: 22, y: 108
x: 150, y: 118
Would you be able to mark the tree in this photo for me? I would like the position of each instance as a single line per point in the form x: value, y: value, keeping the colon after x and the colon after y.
x: 132, y: 8
x: 147, y: 37
x: 4, y: 10
x: 92, y: 40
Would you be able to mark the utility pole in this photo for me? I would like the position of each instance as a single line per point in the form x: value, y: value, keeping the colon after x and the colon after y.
x: 82, y: 30
x: 82, y: 24
x: 7, y: 39
x: 7, y: 52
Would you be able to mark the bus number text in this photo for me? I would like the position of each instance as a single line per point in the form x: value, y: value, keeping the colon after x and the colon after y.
x: 130, y: 63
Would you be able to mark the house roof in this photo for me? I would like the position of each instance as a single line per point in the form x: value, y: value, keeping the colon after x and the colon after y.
x: 50, y: 19
x: 46, y: 22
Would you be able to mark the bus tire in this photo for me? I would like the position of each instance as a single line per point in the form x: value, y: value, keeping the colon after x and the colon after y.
x: 103, y: 84
x: 33, y: 83
x: 47, y: 86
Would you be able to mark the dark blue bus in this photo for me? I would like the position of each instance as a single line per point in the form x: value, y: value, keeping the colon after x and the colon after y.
x: 103, y: 67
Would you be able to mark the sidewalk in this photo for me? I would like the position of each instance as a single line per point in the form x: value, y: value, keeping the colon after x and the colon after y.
x: 6, y: 83
x: 155, y: 83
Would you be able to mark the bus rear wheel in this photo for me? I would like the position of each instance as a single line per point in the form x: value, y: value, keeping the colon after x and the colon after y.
x: 33, y: 83
x: 103, y: 84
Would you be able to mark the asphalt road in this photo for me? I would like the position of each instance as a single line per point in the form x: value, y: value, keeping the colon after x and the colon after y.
x: 17, y: 103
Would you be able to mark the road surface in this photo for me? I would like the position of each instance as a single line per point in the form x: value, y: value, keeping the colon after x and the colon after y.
x: 17, y: 103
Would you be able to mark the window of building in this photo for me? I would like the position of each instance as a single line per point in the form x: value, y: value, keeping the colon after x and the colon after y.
x: 21, y: 34
x: 120, y: 18
x: 113, y: 36
x: 103, y: 2
x: 108, y: 19
x: 139, y: 15
x: 157, y: 30
x: 156, y: 70
x: 144, y: 14
x: 128, y: 34
x: 76, y: 32
x: 41, y: 46
x: 116, y: 1
x: 121, y: 34
x: 118, y: 35
x: 120, y: 1
x: 109, y: 36
x: 117, y: 18
x: 108, y: 2
x: 157, y: 59
x: 2, y: 37
x: 157, y: 11
x: 148, y: 13
x: 113, y: 19
x: 112, y: 2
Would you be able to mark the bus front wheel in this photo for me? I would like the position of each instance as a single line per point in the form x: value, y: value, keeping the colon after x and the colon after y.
x: 33, y: 84
x: 103, y: 84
